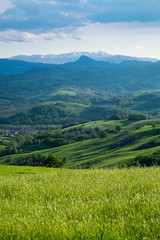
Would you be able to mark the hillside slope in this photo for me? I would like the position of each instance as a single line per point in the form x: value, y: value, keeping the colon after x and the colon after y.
x: 12, y: 67
x: 132, y: 139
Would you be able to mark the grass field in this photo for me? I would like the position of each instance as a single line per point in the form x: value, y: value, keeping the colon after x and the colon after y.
x: 40, y: 203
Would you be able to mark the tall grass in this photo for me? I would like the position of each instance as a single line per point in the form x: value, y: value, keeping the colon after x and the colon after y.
x: 80, y: 204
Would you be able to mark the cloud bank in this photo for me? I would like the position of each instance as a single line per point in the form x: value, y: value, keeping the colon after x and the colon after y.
x: 29, y: 20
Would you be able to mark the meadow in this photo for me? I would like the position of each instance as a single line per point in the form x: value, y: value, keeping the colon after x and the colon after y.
x: 41, y: 203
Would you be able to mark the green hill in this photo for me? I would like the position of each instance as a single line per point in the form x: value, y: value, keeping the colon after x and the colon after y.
x: 123, y: 78
x: 107, y: 144
x: 11, y: 67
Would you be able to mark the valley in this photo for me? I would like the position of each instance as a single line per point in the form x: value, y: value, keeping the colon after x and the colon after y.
x: 70, y: 111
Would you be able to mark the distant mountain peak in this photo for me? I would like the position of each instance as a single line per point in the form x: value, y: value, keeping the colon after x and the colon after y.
x: 85, y: 61
x: 74, y: 56
x: 85, y: 58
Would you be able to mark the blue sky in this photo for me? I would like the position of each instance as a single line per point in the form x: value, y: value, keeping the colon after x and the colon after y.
x: 128, y: 27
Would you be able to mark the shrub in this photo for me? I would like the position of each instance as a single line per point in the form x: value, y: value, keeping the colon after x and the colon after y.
x: 53, y: 161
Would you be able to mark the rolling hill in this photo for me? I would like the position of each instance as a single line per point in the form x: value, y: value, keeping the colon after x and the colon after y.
x: 118, y: 79
x: 133, y: 138
x: 12, y: 67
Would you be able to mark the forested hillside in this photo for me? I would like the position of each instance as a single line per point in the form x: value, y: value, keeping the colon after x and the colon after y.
x: 10, y: 67
x: 88, y: 113
x: 119, y: 79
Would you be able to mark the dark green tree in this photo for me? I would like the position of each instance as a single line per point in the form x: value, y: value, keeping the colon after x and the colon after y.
x: 53, y: 162
x: 118, y: 128
x: 153, y: 126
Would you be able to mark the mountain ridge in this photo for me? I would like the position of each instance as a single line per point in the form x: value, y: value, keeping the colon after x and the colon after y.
x: 120, y: 78
x: 85, y: 61
x: 74, y: 56
x: 12, y: 67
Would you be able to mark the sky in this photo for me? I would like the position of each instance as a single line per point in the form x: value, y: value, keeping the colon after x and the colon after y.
x: 126, y: 27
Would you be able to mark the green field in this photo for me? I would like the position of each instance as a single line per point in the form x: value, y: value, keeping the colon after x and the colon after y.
x: 63, y: 92
x: 72, y: 106
x: 40, y: 203
x: 133, y: 140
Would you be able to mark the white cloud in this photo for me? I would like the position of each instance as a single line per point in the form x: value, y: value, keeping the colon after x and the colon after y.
x: 82, y: 25
x: 4, y: 5
x: 51, y: 2
x: 42, y: 15
x: 19, y: 36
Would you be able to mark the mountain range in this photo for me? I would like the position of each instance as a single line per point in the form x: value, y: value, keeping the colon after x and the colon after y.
x: 74, y: 56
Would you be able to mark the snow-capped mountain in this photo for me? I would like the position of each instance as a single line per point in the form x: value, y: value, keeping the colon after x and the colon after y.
x: 74, y: 56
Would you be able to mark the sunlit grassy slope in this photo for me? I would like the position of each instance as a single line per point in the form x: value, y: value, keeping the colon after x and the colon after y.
x: 107, y: 152
x: 40, y: 203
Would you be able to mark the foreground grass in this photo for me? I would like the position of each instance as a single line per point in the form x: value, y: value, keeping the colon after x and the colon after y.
x: 79, y: 204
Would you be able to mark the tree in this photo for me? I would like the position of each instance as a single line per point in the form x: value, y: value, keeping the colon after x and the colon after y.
x: 53, y: 161
x: 154, y: 126
x: 103, y: 134
x: 118, y: 128
x: 64, y: 160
